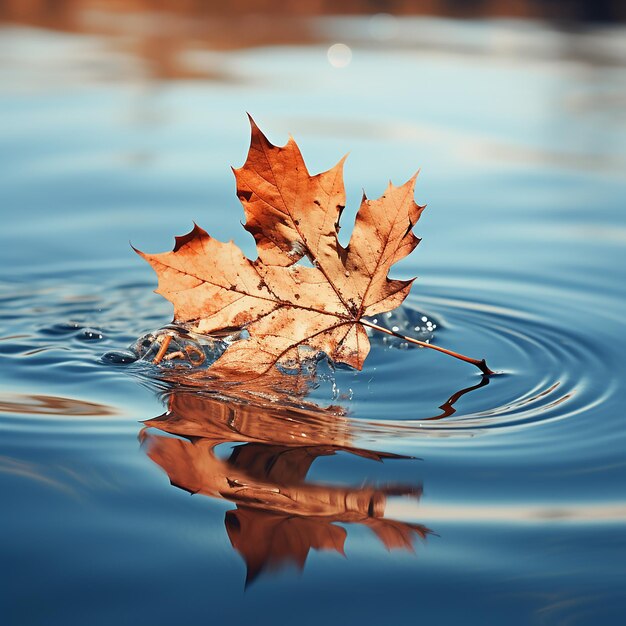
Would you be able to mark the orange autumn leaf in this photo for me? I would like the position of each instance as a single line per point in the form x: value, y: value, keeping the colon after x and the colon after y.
x: 289, y: 308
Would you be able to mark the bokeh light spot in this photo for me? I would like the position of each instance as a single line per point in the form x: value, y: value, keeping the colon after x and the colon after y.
x: 339, y: 55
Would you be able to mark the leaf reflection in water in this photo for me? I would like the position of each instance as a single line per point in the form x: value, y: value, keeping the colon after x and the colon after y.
x: 279, y: 516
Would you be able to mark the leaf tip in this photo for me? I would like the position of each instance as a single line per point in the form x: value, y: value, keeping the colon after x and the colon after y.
x: 181, y: 240
x: 139, y: 252
x: 255, y: 131
x: 342, y: 160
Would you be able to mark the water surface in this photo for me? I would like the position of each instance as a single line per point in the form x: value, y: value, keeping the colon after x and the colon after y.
x: 427, y: 492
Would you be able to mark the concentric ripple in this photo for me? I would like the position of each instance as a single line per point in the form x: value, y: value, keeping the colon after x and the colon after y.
x: 548, y: 370
x: 547, y: 366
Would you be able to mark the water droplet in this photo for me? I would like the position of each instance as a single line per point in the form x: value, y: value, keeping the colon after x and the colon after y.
x: 89, y: 334
x: 118, y: 357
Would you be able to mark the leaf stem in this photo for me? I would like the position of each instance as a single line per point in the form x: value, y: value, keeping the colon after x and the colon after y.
x: 165, y: 344
x: 480, y: 364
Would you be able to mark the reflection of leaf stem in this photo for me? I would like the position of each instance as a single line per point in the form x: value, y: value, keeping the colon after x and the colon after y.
x: 448, y: 406
x: 480, y: 364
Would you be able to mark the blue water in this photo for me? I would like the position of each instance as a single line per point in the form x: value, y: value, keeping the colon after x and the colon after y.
x: 498, y: 500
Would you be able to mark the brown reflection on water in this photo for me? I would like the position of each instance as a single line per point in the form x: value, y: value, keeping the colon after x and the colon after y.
x: 280, y: 515
x: 61, y: 13
x: 52, y: 405
x: 171, y: 38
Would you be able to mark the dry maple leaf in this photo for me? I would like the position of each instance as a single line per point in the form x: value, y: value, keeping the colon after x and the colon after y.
x: 288, y: 308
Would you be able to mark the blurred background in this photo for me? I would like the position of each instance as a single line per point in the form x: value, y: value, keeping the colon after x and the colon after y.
x: 135, y: 110
x: 164, y: 39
